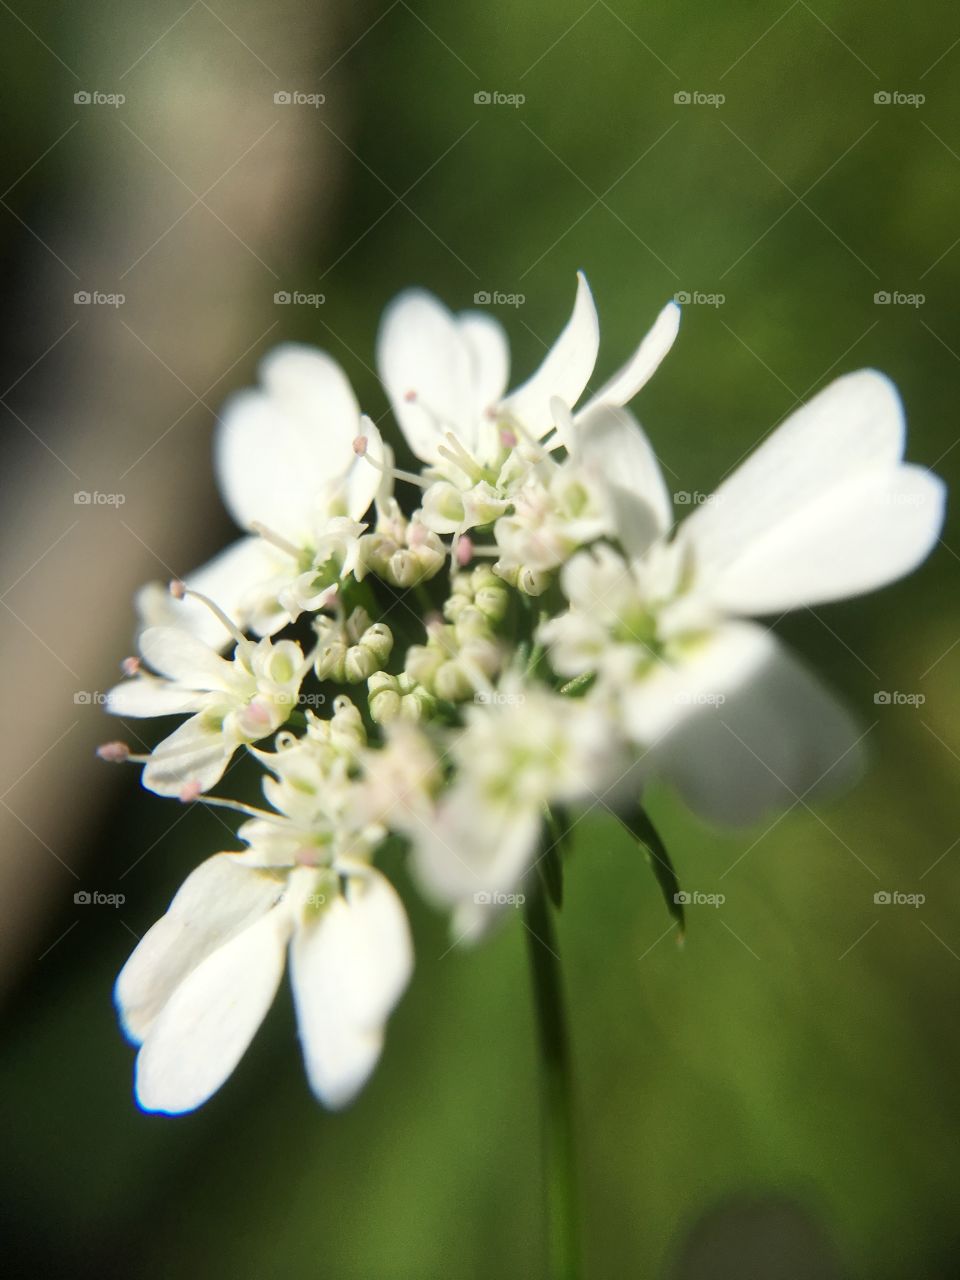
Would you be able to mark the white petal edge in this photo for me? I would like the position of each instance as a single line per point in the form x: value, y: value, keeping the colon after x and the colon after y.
x: 565, y: 370
x: 779, y: 740
x: 644, y: 362
x: 217, y: 900
x: 348, y: 969
x: 193, y: 754
x: 614, y: 446
x: 853, y: 425
x: 278, y: 449
x: 209, y: 1021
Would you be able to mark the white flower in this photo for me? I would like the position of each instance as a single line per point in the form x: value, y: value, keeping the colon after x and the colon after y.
x: 446, y: 376
x: 233, y: 702
x: 199, y: 984
x: 290, y: 475
x: 824, y: 509
x: 523, y: 748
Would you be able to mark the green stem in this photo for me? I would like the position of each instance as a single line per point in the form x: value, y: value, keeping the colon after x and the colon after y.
x: 559, y: 1174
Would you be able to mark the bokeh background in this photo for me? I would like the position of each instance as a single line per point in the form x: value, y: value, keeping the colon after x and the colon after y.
x: 779, y: 1097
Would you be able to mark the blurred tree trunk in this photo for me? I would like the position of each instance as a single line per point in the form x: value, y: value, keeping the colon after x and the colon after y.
x: 196, y: 199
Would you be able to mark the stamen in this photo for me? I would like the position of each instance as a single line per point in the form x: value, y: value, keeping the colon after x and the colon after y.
x: 463, y: 550
x: 114, y: 752
x: 275, y: 539
x: 360, y: 449
x: 130, y: 666
x: 190, y: 791
x: 179, y: 590
x: 248, y: 810
x: 456, y: 452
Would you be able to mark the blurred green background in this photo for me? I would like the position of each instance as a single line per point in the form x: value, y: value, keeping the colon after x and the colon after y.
x: 776, y: 1099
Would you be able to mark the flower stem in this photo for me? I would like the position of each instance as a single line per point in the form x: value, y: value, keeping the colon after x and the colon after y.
x: 558, y: 1144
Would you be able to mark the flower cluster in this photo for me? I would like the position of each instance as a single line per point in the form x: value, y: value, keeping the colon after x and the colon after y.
x: 465, y: 675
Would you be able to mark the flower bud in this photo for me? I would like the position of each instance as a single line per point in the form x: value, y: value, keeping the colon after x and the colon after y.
x: 452, y: 682
x: 423, y: 662
x: 330, y: 662
x: 383, y: 697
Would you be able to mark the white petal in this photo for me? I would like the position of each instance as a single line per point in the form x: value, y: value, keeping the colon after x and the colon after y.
x: 150, y: 696
x: 490, y: 353
x: 565, y: 370
x: 612, y: 444
x: 348, y: 969
x: 365, y: 482
x: 209, y: 1021
x: 179, y: 655
x: 234, y: 580
x: 821, y: 510
x: 227, y: 579
x: 217, y: 900
x: 777, y: 737
x: 644, y: 362
x: 469, y: 847
x: 455, y: 367
x: 872, y: 531
x: 194, y: 753
x: 278, y: 450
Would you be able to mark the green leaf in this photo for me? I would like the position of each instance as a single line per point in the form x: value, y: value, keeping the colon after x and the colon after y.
x: 642, y: 829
